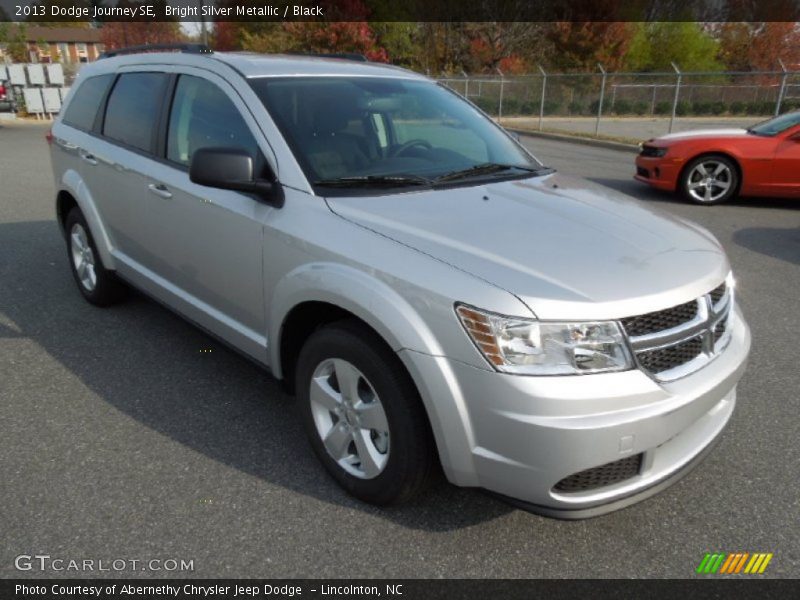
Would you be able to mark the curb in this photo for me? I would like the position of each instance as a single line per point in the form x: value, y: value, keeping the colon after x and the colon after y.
x: 577, y: 140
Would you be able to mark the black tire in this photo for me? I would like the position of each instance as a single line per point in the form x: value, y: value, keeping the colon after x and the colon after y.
x: 729, y: 176
x: 412, y: 462
x: 107, y: 289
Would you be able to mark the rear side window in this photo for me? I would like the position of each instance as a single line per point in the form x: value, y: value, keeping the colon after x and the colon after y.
x: 133, y: 109
x: 83, y: 107
x: 202, y: 116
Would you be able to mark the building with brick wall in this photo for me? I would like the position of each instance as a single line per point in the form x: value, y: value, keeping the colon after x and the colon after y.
x: 67, y: 45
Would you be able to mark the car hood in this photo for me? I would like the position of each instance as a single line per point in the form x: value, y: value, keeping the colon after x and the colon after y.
x: 566, y: 247
x: 703, y: 133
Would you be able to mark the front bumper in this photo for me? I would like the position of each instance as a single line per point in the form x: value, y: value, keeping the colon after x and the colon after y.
x: 526, y: 434
x: 659, y: 172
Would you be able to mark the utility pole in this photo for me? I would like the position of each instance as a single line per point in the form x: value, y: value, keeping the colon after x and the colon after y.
x: 600, y: 101
x: 544, y: 92
x: 203, y: 28
x: 677, y: 95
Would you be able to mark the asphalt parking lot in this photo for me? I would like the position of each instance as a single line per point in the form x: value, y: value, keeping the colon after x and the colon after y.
x: 121, y: 439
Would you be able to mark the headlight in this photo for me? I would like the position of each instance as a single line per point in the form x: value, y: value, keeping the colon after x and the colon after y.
x: 652, y: 151
x: 530, y: 347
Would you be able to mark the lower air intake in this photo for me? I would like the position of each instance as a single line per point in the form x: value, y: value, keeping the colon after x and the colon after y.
x: 601, y: 476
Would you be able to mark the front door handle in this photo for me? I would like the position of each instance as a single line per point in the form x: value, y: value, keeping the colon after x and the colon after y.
x: 87, y: 157
x: 160, y: 190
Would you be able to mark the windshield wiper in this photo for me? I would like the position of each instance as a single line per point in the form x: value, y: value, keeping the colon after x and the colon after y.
x: 375, y: 180
x: 483, y: 169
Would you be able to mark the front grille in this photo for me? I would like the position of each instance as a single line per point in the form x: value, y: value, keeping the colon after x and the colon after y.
x: 660, y: 320
x: 717, y: 294
x: 719, y: 330
x: 601, y: 476
x: 667, y: 339
x: 663, y: 359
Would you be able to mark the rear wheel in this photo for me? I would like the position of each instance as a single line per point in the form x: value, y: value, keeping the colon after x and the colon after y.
x: 97, y: 284
x: 710, y: 179
x: 363, y: 415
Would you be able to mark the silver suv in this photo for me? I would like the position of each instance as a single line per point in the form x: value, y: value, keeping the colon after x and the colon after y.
x: 434, y: 296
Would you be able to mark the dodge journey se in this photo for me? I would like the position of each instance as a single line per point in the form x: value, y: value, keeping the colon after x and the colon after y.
x: 435, y: 297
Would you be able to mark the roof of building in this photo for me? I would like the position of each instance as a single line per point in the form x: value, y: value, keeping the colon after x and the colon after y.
x: 58, y: 35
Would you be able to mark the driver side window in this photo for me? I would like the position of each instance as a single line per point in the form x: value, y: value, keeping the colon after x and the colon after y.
x: 202, y: 116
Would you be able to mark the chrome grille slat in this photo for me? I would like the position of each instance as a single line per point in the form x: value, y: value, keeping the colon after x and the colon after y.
x: 691, y: 335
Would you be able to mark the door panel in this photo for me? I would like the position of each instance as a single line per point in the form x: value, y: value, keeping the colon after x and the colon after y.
x: 209, y: 241
x: 115, y: 162
x: 786, y: 168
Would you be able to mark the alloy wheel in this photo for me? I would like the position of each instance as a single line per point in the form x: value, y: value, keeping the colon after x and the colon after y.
x: 349, y: 418
x: 83, y: 257
x: 709, y: 180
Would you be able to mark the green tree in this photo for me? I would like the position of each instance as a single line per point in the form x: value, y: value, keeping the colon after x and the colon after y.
x: 15, y: 39
x: 399, y: 39
x: 656, y: 45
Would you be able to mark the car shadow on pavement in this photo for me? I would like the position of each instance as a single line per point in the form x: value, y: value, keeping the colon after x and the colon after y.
x: 172, y: 378
x: 783, y: 244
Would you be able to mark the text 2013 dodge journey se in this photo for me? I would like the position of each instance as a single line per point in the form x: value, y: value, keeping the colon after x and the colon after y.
x: 431, y: 293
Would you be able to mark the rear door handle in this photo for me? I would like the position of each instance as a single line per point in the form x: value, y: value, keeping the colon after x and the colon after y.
x: 65, y: 144
x: 160, y: 190
x: 87, y: 157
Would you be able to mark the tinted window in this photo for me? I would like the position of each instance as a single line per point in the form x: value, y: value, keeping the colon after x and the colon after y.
x: 133, y: 106
x: 83, y: 107
x: 202, y: 116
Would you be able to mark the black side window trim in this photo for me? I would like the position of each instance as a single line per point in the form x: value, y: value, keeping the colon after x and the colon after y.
x: 162, y: 127
x: 100, y: 117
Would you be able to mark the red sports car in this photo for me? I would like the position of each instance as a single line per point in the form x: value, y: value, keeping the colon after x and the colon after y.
x: 711, y: 166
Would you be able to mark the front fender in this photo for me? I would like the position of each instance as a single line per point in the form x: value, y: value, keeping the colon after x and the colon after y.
x: 72, y: 183
x: 367, y: 297
x: 401, y: 326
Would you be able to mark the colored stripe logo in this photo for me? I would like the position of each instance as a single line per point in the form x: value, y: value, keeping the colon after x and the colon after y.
x: 721, y: 563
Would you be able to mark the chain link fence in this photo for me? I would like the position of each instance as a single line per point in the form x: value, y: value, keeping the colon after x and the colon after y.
x: 612, y: 104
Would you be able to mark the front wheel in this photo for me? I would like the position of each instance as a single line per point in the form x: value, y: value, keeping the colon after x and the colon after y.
x: 363, y: 415
x: 710, y: 180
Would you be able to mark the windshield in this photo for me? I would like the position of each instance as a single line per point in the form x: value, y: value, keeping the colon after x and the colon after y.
x: 776, y: 125
x: 380, y: 132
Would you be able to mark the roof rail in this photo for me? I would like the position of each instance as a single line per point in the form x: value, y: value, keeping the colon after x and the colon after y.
x: 187, y: 48
x: 340, y: 55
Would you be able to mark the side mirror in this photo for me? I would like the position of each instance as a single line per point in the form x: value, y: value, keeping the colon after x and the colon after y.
x: 230, y: 169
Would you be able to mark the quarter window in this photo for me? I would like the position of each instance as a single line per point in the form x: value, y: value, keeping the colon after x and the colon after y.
x: 133, y: 107
x: 202, y: 116
x: 82, y: 109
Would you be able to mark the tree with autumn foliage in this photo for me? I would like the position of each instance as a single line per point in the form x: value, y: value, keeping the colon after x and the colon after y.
x: 121, y: 34
x: 330, y: 35
x: 512, y: 47
x: 758, y: 46
x: 581, y: 46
